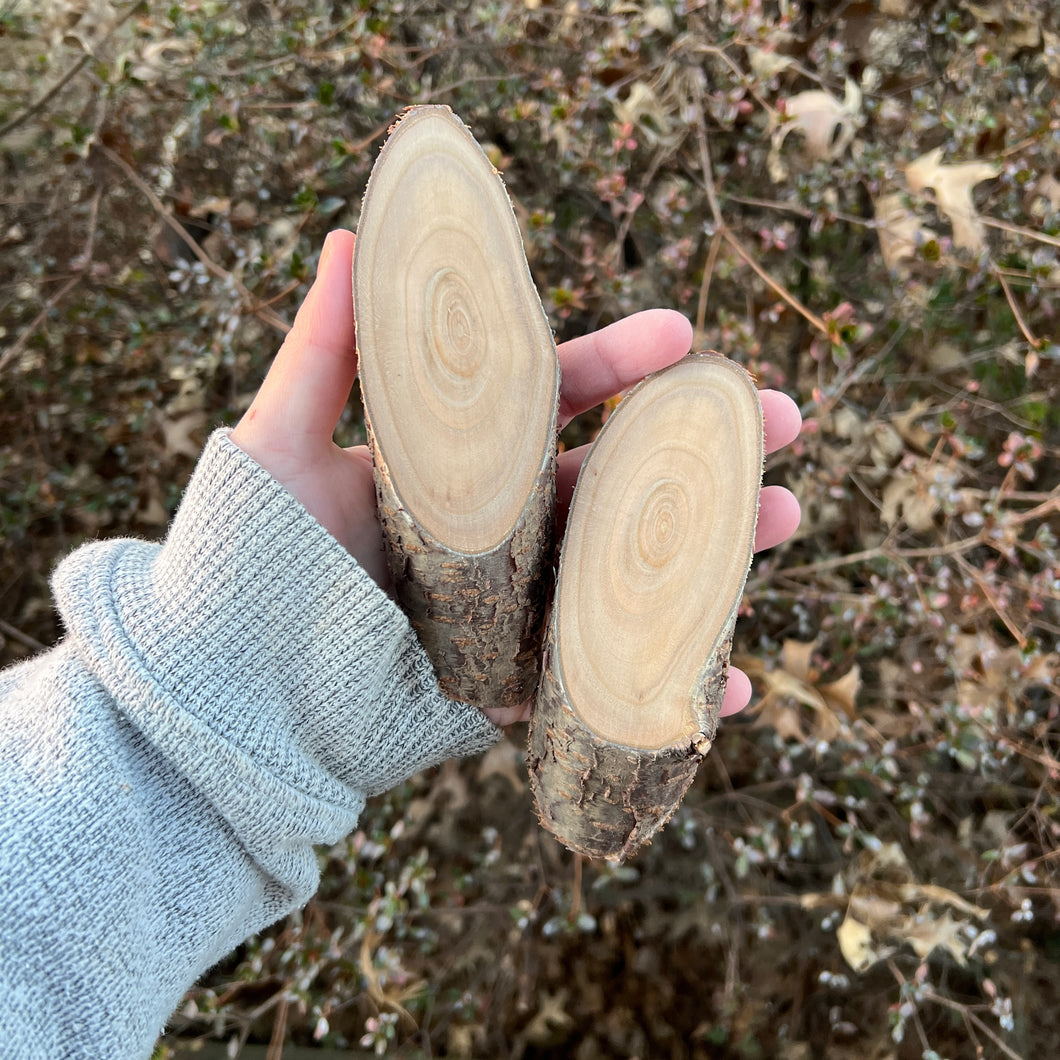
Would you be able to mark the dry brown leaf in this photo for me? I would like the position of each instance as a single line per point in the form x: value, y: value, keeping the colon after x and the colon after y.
x: 856, y: 944
x: 991, y: 678
x: 932, y: 892
x: 1050, y: 55
x: 450, y: 781
x: 550, y: 1018
x: 181, y: 434
x: 844, y: 692
x: 907, y: 497
x: 876, y: 911
x: 908, y: 425
x: 795, y: 656
x: 926, y: 933
x: 887, y: 908
x: 827, y: 124
x: 783, y: 718
x: 1048, y: 187
x: 1010, y: 29
x: 643, y: 110
x: 790, y: 684
x: 159, y: 59
x: 504, y: 760
x: 953, y: 186
x: 151, y: 510
x: 766, y: 63
x: 899, y: 231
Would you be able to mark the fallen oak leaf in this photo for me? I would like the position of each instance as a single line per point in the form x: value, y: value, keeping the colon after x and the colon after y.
x: 843, y: 694
x: 827, y: 124
x: 926, y: 933
x: 899, y: 231
x: 857, y: 946
x: 952, y: 185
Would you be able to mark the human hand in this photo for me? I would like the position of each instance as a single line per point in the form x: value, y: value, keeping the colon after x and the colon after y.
x: 289, y: 427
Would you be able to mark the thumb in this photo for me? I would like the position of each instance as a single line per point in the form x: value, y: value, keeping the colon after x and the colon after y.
x: 310, y: 380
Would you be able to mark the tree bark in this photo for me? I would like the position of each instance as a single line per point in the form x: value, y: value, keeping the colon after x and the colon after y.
x: 460, y: 380
x: 657, y: 549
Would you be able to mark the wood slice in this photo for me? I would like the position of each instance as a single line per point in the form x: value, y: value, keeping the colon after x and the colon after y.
x: 657, y: 548
x: 460, y: 380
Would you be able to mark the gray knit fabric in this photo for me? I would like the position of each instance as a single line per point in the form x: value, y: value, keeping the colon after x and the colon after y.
x: 220, y: 704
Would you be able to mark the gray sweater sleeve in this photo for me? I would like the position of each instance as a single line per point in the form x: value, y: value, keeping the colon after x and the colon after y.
x: 219, y: 704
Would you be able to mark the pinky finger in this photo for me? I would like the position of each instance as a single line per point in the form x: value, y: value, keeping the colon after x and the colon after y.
x: 737, y: 693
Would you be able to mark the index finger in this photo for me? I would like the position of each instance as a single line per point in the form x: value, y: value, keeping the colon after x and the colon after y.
x: 596, y: 367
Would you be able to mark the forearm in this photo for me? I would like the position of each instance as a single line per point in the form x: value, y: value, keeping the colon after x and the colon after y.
x: 219, y: 706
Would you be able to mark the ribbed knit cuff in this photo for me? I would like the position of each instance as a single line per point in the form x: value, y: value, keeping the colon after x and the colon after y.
x: 262, y: 659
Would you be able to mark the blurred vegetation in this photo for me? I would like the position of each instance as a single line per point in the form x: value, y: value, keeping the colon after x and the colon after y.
x: 860, y: 201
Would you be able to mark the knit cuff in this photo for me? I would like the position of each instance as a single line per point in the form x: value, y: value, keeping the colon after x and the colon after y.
x: 251, y: 641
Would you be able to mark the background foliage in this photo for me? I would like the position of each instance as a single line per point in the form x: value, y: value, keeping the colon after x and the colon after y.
x: 860, y: 201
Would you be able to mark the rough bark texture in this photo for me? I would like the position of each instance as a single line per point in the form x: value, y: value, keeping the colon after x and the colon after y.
x: 479, y: 612
x: 598, y: 796
x: 601, y: 799
x: 479, y: 618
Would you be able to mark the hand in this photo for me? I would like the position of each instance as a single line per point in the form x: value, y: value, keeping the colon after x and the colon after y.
x: 289, y: 426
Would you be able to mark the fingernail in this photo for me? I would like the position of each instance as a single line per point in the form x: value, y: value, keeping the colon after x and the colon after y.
x: 325, y: 252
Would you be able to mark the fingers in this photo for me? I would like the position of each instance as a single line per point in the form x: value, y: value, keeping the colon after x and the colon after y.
x: 310, y: 380
x: 737, y: 692
x: 780, y: 418
x: 504, y: 716
x: 598, y: 366
x: 778, y: 517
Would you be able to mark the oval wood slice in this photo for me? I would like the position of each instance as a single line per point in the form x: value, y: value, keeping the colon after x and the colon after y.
x: 657, y: 548
x: 460, y: 381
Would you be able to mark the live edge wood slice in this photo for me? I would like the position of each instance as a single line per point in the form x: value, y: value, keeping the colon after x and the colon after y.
x: 460, y: 381
x: 657, y: 548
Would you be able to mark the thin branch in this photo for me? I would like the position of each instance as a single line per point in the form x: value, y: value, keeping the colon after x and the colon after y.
x: 704, y: 287
x: 1019, y: 230
x: 965, y: 544
x: 252, y: 303
x: 956, y: 1006
x: 726, y: 232
x: 991, y: 598
x: 745, y: 81
x: 24, y: 639
x: 20, y: 343
x: 1035, y: 342
x: 958, y: 547
x: 781, y: 290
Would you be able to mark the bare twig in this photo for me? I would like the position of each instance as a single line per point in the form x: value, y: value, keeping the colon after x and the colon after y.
x: 1019, y: 230
x: 952, y: 548
x: 956, y: 1006
x: 729, y: 236
x: 778, y: 287
x: 1017, y: 634
x: 252, y: 303
x: 826, y: 400
x: 576, y: 890
x: 1035, y: 342
x: 704, y: 287
x: 20, y: 343
x: 720, y: 53
x: 279, y: 1029
x: 881, y: 552
x: 24, y: 639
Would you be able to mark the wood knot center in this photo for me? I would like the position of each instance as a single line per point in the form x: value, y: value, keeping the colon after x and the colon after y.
x: 663, y: 524
x: 454, y: 325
